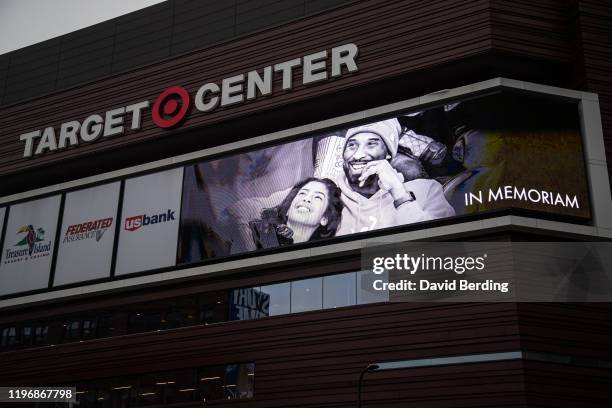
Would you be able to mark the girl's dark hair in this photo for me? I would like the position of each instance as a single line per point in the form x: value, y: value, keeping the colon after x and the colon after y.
x: 333, y: 212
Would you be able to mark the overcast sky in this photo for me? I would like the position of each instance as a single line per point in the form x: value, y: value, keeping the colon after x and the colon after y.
x: 27, y: 22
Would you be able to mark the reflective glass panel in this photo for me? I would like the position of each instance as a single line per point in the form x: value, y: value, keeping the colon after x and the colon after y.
x: 279, y: 298
x: 365, y: 289
x: 339, y: 290
x: 306, y: 294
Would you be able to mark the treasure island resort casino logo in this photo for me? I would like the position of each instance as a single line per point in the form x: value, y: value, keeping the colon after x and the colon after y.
x: 31, y: 246
x: 87, y: 230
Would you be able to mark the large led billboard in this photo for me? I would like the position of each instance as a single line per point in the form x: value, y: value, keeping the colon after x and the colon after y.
x: 494, y: 152
x: 87, y: 235
x: 28, y: 245
x: 479, y: 155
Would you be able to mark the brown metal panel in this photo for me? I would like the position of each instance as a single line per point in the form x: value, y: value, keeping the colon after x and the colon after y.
x: 395, y: 39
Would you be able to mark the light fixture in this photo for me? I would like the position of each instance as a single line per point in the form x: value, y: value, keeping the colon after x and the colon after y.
x: 369, y: 368
x: 210, y: 378
x: 187, y: 390
x: 437, y: 361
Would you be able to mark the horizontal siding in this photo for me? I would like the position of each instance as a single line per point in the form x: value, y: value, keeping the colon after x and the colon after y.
x: 395, y: 39
x: 594, y: 37
x: 168, y: 28
x: 312, y: 359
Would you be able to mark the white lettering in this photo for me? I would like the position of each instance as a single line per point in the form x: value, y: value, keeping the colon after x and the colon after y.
x: 113, y: 123
x: 29, y: 138
x: 91, y: 128
x: 314, y: 68
x: 343, y: 55
x: 534, y: 196
x: 286, y: 68
x: 47, y: 141
x: 496, y: 196
x: 231, y: 90
x: 256, y: 82
x: 68, y: 132
x: 200, y: 103
x: 136, y: 111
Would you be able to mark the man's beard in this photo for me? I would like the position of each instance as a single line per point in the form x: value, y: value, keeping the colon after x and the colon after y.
x: 370, y: 186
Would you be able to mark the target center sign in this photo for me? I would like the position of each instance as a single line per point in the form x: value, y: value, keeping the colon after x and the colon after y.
x: 173, y: 105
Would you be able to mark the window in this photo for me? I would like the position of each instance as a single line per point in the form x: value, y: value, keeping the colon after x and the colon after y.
x: 279, y: 298
x: 297, y: 296
x: 150, y: 390
x: 123, y: 392
x: 72, y: 330
x: 210, y: 383
x: 306, y: 294
x: 89, y: 328
x: 365, y: 290
x: 339, y: 290
x: 9, y: 336
x: 239, y: 380
x: 231, y: 381
x: 248, y: 304
x: 180, y: 387
x: 213, y: 307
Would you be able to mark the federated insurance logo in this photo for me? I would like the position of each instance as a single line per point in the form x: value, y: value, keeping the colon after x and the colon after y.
x: 87, y: 230
x: 136, y: 222
x: 32, y: 245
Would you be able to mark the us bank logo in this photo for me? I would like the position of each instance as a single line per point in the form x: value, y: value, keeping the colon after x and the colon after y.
x: 136, y: 222
x: 32, y: 245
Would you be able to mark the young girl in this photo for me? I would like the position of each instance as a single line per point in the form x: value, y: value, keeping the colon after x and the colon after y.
x: 312, y: 210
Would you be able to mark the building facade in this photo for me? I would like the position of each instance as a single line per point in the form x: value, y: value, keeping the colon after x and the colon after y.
x: 145, y: 158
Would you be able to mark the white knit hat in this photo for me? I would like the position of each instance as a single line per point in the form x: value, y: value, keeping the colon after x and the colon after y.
x: 388, y: 130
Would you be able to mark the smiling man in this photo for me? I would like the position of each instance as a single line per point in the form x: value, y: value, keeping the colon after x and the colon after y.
x: 374, y: 193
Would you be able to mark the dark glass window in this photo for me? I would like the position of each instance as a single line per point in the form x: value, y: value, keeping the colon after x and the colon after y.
x: 86, y: 395
x: 123, y: 392
x: 103, y: 398
x: 213, y: 307
x: 248, y: 304
x: 239, y: 380
x: 210, y: 383
x: 72, y: 330
x: 89, y: 329
x: 150, y: 390
x: 27, y: 335
x: 41, y: 334
x: 106, y: 326
x: 9, y: 336
x: 176, y: 386
x: 144, y: 320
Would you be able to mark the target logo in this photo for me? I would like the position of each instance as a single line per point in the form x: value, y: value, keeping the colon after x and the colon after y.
x: 171, y: 107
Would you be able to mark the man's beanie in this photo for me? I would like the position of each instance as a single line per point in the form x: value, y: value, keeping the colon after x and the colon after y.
x: 389, y: 131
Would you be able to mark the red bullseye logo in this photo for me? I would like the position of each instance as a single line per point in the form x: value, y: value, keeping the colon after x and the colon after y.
x: 171, y: 107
